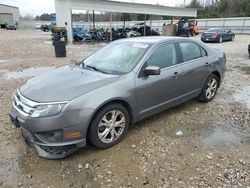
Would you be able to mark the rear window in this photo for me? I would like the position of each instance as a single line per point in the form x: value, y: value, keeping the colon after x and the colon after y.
x: 214, y: 30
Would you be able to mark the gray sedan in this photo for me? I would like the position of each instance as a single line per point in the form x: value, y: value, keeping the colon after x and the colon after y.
x: 97, y: 99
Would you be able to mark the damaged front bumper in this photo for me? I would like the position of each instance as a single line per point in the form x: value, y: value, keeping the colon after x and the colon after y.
x: 45, y: 150
x: 39, y: 138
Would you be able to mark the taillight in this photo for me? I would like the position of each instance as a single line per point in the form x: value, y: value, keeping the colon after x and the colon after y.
x: 215, y: 34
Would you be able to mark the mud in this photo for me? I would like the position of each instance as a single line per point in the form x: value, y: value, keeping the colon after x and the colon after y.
x: 213, y: 149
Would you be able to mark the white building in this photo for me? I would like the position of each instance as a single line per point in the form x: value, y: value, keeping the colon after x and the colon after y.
x: 8, y: 14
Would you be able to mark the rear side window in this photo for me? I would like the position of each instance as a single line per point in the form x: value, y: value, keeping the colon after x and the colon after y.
x: 203, y: 52
x: 191, y: 51
x: 164, y: 56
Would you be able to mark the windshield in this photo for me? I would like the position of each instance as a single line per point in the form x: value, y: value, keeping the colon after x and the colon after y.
x: 116, y: 58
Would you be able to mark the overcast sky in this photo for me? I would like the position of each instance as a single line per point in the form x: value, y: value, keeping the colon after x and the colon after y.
x: 31, y: 7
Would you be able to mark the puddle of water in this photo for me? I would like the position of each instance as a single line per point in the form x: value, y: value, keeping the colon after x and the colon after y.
x: 4, y: 61
x: 243, y: 96
x: 3, y: 71
x: 30, y: 72
x: 221, y: 137
x: 87, y: 53
x: 47, y: 42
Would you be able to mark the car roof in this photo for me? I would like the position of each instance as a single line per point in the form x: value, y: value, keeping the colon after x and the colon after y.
x: 216, y: 28
x: 154, y: 39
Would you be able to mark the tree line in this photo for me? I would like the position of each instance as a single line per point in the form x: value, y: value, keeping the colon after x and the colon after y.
x: 221, y: 8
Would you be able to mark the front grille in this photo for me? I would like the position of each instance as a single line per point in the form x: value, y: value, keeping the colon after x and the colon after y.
x: 22, y: 105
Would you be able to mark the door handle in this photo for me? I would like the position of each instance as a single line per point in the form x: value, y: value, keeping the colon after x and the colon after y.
x: 176, y: 74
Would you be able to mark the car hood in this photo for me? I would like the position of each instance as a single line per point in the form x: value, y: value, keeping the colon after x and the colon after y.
x: 64, y: 84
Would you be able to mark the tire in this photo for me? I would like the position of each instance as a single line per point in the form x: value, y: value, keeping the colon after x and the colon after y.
x: 233, y: 37
x: 102, y: 123
x: 220, y: 40
x: 209, y: 89
x: 76, y: 39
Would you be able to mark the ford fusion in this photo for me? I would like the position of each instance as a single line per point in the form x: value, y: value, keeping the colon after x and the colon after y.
x: 96, y: 100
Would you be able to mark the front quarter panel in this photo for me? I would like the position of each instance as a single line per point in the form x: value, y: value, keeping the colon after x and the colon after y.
x: 122, y: 89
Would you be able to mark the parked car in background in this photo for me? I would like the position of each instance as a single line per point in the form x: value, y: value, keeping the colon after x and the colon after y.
x: 126, y: 81
x: 11, y: 25
x: 45, y: 28
x: 80, y: 34
x: 38, y: 26
x: 139, y: 27
x: 217, y: 35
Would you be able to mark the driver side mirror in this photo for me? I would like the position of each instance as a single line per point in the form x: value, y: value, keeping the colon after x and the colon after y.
x: 152, y: 70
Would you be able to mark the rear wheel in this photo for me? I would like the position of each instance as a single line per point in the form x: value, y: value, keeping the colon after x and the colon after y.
x: 210, y: 89
x: 109, y: 126
x: 233, y: 37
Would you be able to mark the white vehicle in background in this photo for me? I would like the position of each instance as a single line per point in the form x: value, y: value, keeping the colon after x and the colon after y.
x: 38, y: 26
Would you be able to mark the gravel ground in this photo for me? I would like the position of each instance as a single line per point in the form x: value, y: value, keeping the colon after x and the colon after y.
x: 191, y: 145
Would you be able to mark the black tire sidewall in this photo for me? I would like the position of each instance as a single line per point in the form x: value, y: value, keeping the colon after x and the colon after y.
x: 92, y: 133
x: 233, y: 37
x: 203, y: 96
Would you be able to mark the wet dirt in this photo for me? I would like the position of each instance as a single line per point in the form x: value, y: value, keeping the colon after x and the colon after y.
x: 243, y: 96
x: 30, y: 72
x: 211, y: 149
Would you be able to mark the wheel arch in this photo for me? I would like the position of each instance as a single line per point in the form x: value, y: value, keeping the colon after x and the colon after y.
x: 122, y: 102
x: 217, y: 74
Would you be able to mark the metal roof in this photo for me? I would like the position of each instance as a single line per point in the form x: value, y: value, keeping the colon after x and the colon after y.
x: 126, y: 7
x: 8, y: 6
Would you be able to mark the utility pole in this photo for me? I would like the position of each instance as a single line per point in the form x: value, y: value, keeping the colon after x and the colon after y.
x: 110, y: 26
x: 93, y: 19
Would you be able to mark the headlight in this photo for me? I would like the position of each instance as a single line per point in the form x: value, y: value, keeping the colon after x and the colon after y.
x: 47, y: 110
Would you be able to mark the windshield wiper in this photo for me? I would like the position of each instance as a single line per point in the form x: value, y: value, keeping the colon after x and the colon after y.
x: 96, y: 69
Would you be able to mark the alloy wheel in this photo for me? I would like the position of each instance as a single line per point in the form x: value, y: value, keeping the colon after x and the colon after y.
x: 211, y: 88
x: 111, y: 126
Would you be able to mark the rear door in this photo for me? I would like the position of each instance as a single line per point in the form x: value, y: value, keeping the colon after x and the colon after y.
x: 195, y: 67
x: 156, y: 92
x: 226, y: 34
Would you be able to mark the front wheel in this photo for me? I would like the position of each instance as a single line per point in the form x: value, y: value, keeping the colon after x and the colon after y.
x: 210, y: 89
x: 109, y: 126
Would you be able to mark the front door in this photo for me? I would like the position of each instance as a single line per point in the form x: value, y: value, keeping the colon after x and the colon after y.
x: 156, y: 92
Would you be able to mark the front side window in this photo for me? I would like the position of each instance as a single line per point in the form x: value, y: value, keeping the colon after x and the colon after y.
x: 164, y: 56
x: 191, y: 51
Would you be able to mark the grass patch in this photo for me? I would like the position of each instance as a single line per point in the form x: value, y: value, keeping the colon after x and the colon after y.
x: 245, y: 70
